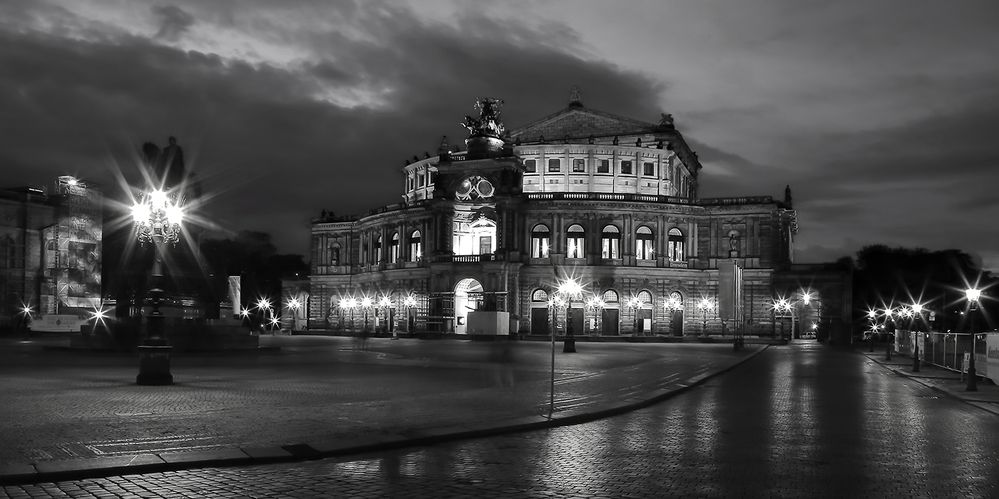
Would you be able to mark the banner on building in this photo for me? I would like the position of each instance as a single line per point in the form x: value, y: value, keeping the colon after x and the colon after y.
x: 234, y: 294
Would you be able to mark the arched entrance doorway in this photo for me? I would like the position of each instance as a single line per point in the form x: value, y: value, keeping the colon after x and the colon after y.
x: 467, y: 297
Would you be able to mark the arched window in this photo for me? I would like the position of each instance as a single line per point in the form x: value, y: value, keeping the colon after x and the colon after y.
x: 540, y: 241
x: 674, y: 245
x: 643, y: 243
x: 394, y: 248
x: 610, y: 296
x: 645, y: 299
x: 610, y: 242
x: 415, y: 246
x: 539, y: 295
x: 574, y: 246
x: 378, y: 250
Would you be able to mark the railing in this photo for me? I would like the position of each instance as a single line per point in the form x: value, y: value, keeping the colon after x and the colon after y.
x: 945, y: 350
x: 489, y: 257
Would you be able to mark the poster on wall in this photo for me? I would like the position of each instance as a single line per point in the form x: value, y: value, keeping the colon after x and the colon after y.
x: 80, y: 279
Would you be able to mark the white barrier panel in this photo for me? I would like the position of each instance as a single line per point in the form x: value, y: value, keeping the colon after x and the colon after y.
x: 992, y: 357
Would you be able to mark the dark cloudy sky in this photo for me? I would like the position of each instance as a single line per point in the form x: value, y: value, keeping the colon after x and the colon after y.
x: 883, y: 116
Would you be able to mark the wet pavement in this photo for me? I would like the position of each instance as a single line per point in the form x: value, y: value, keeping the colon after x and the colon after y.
x: 69, y: 411
x: 801, y: 420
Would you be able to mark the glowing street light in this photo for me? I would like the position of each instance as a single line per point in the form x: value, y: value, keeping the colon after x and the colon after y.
x: 349, y: 304
x: 973, y: 295
x: 157, y: 218
x: 410, y: 303
x: 570, y: 289
x: 705, y: 304
x: 596, y: 305
x: 366, y: 306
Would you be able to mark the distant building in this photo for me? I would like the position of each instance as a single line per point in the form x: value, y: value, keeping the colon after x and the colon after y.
x: 497, y: 225
x: 50, y: 250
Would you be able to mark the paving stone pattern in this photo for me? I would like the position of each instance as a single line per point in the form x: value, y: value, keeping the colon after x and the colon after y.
x: 795, y: 421
x: 71, y: 405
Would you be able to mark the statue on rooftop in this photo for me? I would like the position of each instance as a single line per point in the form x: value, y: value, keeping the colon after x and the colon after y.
x: 488, y: 123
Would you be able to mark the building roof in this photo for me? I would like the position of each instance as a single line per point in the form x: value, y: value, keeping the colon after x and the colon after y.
x: 577, y: 121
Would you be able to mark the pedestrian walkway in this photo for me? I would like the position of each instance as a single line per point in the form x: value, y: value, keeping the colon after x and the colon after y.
x: 945, y: 381
x: 74, y: 415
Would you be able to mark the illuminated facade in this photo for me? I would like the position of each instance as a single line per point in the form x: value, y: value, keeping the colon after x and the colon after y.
x: 50, y: 251
x: 609, y: 201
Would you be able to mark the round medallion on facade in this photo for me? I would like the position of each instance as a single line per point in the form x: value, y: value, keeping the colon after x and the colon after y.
x: 473, y: 188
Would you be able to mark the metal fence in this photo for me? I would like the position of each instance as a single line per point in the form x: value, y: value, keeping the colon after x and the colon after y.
x: 946, y: 350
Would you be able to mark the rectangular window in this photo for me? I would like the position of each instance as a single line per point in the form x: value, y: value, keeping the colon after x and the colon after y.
x: 643, y: 250
x: 579, y: 166
x: 554, y: 166
x: 415, y: 250
x: 626, y: 167
x: 604, y: 166
x: 574, y: 246
x: 539, y: 246
x: 530, y: 166
x: 610, y: 247
x: 649, y: 169
x: 420, y: 179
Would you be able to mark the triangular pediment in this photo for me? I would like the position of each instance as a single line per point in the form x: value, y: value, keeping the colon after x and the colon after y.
x: 582, y: 122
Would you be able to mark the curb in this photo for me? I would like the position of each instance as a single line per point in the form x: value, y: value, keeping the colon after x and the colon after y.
x: 935, y: 388
x: 77, y: 469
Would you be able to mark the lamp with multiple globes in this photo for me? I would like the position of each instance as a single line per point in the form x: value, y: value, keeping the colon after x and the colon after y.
x: 595, y: 305
x: 570, y: 290
x: 671, y: 305
x: 157, y: 218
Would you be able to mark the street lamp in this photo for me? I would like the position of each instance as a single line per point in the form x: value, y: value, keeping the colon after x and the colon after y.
x: 157, y: 220
x: 973, y: 296
x: 349, y: 304
x: 705, y: 304
x: 385, y: 303
x: 366, y: 306
x: 294, y: 305
x: 783, y: 307
x: 570, y: 289
x: 595, y: 305
x: 634, y: 303
x: 871, y: 316
x: 264, y: 306
x: 409, y: 302
x: 672, y: 305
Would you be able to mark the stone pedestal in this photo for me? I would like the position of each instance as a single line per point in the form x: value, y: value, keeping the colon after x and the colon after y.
x: 154, y: 365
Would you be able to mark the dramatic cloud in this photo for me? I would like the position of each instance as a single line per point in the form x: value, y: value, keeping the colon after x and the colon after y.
x: 879, y: 116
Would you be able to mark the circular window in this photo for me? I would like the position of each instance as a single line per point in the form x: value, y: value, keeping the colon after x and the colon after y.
x: 473, y: 188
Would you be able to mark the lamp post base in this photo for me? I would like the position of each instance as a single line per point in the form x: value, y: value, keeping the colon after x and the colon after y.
x: 154, y: 365
x: 569, y: 345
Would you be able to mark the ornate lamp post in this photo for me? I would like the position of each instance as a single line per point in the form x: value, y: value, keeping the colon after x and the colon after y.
x: 157, y: 221
x: 595, y: 305
x: 570, y: 289
x: 781, y: 307
x: 294, y: 305
x: 349, y: 304
x: 264, y: 306
x: 366, y: 304
x: 705, y: 304
x: 672, y: 304
x: 973, y: 296
x: 385, y: 303
x: 634, y: 303
x: 409, y: 303
x: 872, y: 316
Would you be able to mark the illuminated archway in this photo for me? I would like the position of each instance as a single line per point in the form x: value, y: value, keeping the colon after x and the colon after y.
x: 467, y: 297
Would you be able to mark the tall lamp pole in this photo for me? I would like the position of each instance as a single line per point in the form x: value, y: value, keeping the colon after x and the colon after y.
x: 157, y: 220
x: 973, y: 296
x: 571, y: 290
x: 409, y: 303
